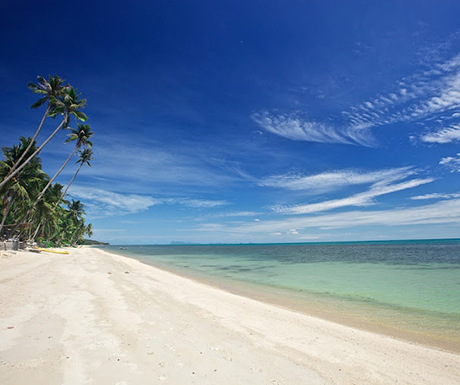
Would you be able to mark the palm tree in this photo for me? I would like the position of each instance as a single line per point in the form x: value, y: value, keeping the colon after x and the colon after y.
x: 85, y: 158
x: 47, y: 212
x: 73, y: 223
x: 19, y: 191
x: 52, y: 91
x: 67, y: 104
x: 89, y: 230
x: 70, y: 104
x: 82, y: 136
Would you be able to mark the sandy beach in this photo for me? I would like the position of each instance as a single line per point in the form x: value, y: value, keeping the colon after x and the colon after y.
x: 91, y: 317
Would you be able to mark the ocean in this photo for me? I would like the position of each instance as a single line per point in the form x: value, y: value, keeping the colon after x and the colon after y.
x: 406, y: 289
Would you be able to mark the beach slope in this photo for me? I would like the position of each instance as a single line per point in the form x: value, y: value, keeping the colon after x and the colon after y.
x: 92, y: 317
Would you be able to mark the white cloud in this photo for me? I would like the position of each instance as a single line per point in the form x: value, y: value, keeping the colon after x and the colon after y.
x: 196, y: 203
x: 235, y: 214
x: 445, y: 135
x: 107, y: 203
x: 443, y: 212
x: 148, y: 166
x: 334, y: 180
x: 361, y: 199
x: 452, y: 163
x: 418, y: 97
x: 434, y: 92
x: 295, y: 127
x: 436, y: 196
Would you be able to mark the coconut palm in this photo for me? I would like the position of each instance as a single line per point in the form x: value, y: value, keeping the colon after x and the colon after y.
x: 89, y: 230
x: 21, y: 190
x: 82, y: 136
x: 76, y: 214
x: 67, y: 104
x: 47, y: 212
x: 85, y: 158
x: 73, y: 223
x: 52, y: 90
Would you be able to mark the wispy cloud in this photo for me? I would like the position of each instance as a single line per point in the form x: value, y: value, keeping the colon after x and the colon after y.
x: 443, y: 212
x: 154, y: 167
x: 436, y: 196
x: 107, y: 203
x: 446, y: 135
x: 295, y: 127
x: 381, y: 182
x: 235, y: 214
x: 361, y: 199
x: 451, y: 163
x: 196, y: 203
x: 435, y: 90
x: 334, y: 180
x: 431, y: 93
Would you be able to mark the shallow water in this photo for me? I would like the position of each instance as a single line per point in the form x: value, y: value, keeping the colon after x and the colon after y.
x: 409, y: 286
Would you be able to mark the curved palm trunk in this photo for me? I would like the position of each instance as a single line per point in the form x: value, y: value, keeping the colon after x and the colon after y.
x: 24, y: 218
x: 37, y: 151
x: 74, y: 176
x: 18, y: 162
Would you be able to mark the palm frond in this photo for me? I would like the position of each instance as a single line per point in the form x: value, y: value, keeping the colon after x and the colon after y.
x: 39, y: 102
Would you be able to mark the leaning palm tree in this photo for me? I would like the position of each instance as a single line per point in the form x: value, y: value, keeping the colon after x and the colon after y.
x: 51, y: 90
x: 45, y: 217
x: 85, y: 158
x: 68, y: 104
x: 82, y: 136
x: 21, y: 190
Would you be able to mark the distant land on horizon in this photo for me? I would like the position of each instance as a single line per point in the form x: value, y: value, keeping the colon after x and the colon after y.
x: 179, y: 243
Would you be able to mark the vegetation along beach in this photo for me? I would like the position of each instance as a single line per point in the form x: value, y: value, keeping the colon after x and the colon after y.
x: 230, y: 192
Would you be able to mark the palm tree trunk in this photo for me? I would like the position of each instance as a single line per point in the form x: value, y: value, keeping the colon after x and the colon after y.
x: 31, y: 142
x: 22, y: 220
x: 5, y: 213
x: 74, y: 176
x: 36, y: 231
x: 36, y: 152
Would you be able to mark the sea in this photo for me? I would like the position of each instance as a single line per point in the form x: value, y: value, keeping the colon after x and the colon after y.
x: 406, y: 289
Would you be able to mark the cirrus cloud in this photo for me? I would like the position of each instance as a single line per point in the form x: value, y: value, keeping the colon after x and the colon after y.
x: 452, y: 163
x: 295, y: 127
x: 333, y: 180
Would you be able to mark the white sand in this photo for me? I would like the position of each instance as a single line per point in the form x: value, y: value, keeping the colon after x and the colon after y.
x: 96, y: 318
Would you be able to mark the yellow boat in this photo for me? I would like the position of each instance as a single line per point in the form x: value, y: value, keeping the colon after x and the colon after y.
x: 52, y: 251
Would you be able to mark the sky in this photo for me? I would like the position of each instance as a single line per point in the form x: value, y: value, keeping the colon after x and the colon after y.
x: 248, y: 121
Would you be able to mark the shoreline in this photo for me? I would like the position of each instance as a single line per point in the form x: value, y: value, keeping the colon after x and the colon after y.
x: 311, y: 305
x: 96, y: 316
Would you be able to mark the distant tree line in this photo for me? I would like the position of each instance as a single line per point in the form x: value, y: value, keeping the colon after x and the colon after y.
x: 32, y: 206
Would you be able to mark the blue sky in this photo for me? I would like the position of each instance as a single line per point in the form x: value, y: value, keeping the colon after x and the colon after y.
x: 249, y: 121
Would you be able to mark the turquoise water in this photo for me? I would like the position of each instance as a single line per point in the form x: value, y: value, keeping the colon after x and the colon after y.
x: 411, y: 286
